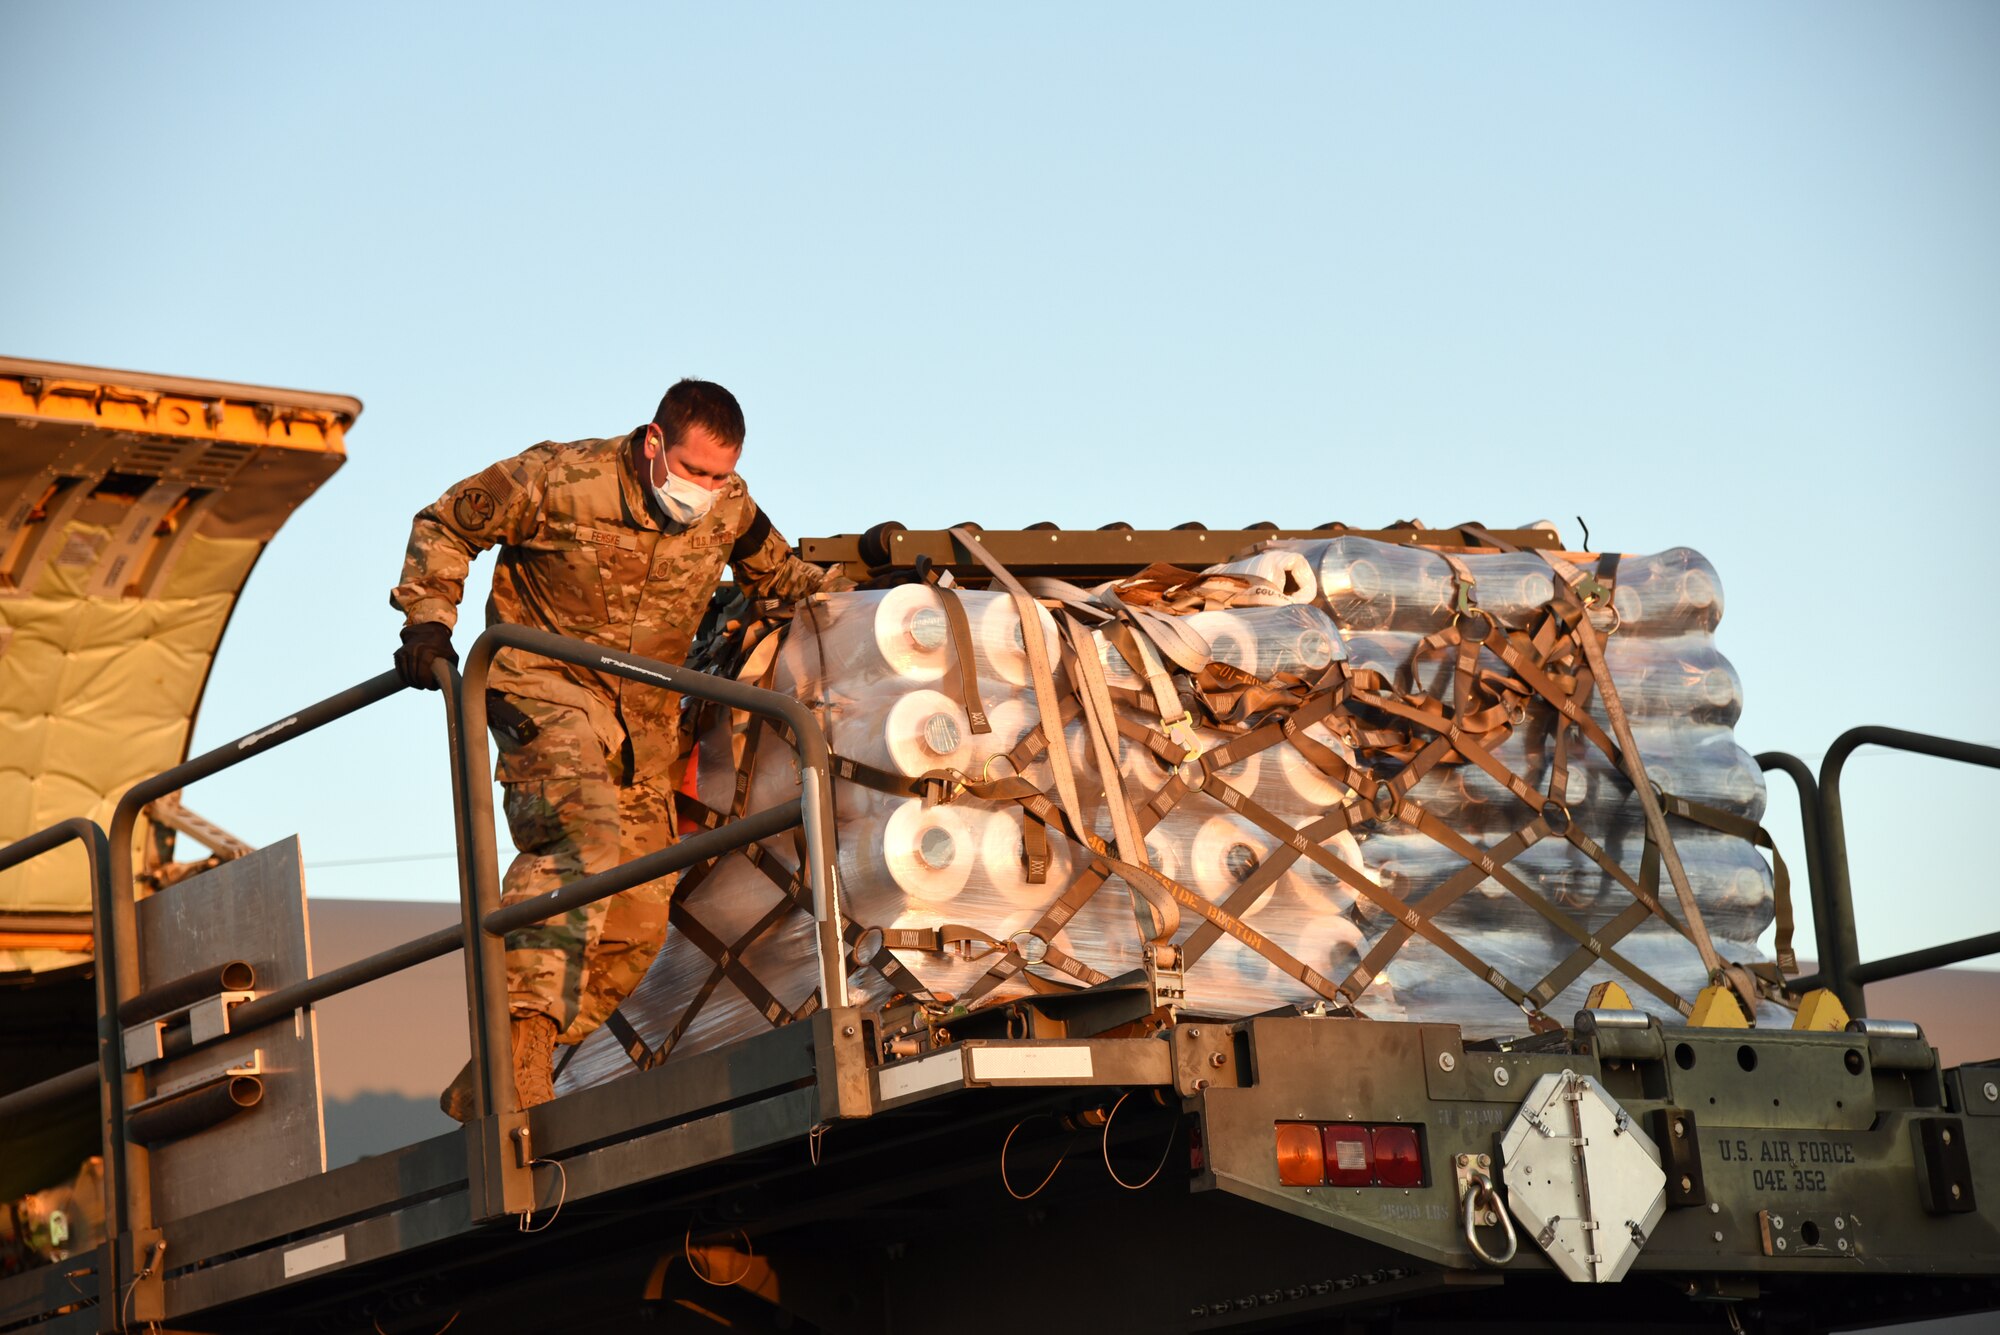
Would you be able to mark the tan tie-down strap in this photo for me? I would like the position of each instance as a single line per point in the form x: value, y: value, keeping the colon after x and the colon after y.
x: 960, y: 626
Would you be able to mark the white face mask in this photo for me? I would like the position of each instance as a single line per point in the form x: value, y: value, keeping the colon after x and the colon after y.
x: 685, y: 502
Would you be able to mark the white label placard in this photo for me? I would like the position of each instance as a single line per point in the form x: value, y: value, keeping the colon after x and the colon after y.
x: 913, y: 1077
x: 316, y: 1255
x: 1037, y: 1063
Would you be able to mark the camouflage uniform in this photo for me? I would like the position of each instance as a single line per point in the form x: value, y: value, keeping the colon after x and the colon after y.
x: 586, y: 552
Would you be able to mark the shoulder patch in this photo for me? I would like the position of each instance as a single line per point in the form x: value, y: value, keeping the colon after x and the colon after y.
x: 480, y: 501
x: 499, y: 482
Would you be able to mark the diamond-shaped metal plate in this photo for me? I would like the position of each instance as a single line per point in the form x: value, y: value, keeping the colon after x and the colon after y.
x: 1582, y: 1177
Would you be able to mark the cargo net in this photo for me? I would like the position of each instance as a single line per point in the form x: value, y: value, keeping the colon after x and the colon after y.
x: 1398, y: 782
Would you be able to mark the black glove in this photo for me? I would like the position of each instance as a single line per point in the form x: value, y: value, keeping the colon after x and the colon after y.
x: 424, y: 644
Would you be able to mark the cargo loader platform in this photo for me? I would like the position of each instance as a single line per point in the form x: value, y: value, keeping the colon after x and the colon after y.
x: 841, y: 1194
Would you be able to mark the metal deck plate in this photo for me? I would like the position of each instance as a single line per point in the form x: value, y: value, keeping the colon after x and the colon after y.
x: 251, y: 909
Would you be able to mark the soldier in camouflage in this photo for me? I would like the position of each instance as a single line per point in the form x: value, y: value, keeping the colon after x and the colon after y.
x: 619, y: 542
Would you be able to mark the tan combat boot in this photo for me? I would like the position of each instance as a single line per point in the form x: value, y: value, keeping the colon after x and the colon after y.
x: 534, y: 1059
x: 457, y: 1100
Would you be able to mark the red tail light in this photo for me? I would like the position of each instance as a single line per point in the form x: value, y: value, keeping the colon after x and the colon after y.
x: 1398, y: 1161
x: 1350, y: 1156
x: 1299, y: 1154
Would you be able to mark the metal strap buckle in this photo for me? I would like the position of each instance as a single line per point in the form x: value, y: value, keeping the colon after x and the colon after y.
x: 1593, y: 592
x: 1181, y: 733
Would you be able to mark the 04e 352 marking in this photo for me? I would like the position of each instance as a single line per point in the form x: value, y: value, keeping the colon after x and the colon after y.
x: 1787, y: 1164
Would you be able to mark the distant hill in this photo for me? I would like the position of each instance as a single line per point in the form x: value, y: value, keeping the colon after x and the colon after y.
x: 385, y: 1050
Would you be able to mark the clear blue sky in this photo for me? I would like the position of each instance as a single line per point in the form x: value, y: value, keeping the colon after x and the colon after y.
x: 1722, y: 275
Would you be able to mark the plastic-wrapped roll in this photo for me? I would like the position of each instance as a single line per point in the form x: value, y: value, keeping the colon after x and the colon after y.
x: 1377, y: 586
x: 911, y: 733
x: 1002, y: 650
x: 1398, y: 868
x: 1384, y: 651
x: 1104, y: 933
x: 1139, y: 768
x: 1323, y: 892
x: 1301, y: 639
x: 1011, y: 719
x: 1680, y: 677
x: 1117, y: 672
x: 1750, y: 886
x: 864, y: 636
x: 921, y: 730
x: 1209, y: 854
x: 1243, y: 775
x: 928, y: 854
x: 1513, y: 586
x: 1292, y: 786
x: 1371, y: 585
x: 1412, y: 865
x: 1002, y: 860
x: 1287, y: 571
x: 1268, y: 640
x: 1299, y: 787
x: 1730, y: 880
x: 1429, y: 982
x: 1699, y: 762
x: 1668, y: 594
x: 1381, y: 999
x: 1231, y: 978
x: 1702, y: 764
x: 901, y: 634
x: 1390, y: 651
x: 1258, y: 640
x: 1231, y: 636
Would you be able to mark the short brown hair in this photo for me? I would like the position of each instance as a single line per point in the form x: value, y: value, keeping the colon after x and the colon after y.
x: 700, y: 402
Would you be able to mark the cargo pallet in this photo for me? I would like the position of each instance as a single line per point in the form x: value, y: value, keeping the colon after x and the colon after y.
x: 1074, y: 1161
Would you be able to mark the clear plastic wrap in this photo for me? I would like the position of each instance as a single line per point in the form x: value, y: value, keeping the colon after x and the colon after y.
x: 879, y: 669
x: 1682, y: 698
x: 1369, y: 586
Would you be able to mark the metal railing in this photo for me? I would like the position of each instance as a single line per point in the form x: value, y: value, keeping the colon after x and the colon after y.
x: 97, y: 857
x: 498, y: 1179
x: 1824, y: 912
x: 813, y: 811
x: 1841, y: 968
